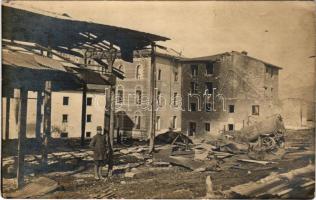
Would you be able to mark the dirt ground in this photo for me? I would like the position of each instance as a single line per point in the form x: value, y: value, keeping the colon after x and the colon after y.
x: 168, y: 181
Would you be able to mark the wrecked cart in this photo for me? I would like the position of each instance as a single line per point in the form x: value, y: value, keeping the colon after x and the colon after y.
x: 263, y: 138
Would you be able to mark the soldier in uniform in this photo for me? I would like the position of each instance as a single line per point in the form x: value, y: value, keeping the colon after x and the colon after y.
x: 99, y: 146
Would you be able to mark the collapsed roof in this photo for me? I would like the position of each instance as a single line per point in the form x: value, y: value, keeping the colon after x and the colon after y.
x: 60, y: 32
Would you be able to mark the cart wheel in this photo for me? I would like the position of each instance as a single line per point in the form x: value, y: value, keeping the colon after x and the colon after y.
x: 268, y: 143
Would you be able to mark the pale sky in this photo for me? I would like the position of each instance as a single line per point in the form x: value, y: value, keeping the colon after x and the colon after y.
x: 281, y: 33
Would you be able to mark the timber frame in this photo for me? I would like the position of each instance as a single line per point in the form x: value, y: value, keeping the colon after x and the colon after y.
x: 28, y: 33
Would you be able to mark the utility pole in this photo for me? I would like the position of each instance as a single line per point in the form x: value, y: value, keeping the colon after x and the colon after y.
x: 47, y: 120
x: 83, y: 113
x: 22, y: 116
x: 109, y: 113
x: 153, y: 100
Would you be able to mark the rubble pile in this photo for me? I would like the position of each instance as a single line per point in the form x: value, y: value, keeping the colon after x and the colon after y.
x: 295, y: 184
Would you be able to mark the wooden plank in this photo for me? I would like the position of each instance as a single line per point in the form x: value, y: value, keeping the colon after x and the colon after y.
x: 265, y: 185
x: 22, y: 116
x: 47, y: 120
x: 153, y: 100
x: 256, y: 161
x: 83, y: 114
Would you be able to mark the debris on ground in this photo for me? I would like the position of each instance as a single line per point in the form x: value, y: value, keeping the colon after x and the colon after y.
x: 263, y: 138
x: 210, y: 193
x: 177, y: 194
x: 181, y: 158
x: 234, y: 148
x: 37, y: 187
x: 261, y: 162
x: 171, y: 137
x: 177, y: 170
x: 278, y: 185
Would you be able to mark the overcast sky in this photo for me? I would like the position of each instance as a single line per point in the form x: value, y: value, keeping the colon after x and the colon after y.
x: 282, y: 33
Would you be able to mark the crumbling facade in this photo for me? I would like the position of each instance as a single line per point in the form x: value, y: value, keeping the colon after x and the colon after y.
x: 133, y: 95
x: 226, y: 92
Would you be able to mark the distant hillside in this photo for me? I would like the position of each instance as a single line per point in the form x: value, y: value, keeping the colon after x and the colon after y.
x: 305, y: 92
x: 292, y: 85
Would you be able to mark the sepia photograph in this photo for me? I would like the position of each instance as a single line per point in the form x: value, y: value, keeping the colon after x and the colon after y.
x: 158, y: 99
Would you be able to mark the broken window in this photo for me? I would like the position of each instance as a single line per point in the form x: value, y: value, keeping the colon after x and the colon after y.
x: 159, y: 75
x: 193, y: 107
x: 120, y: 96
x: 89, y: 118
x: 137, y: 122
x: 175, y: 98
x: 89, y: 101
x: 193, y: 87
x: 158, y: 123
x: 174, y: 122
x: 207, y: 127
x: 209, y: 87
x: 138, y: 72
x: 158, y: 98
x: 209, y: 68
x: 194, y: 70
x: 267, y: 69
x: 255, y: 110
x: 230, y: 127
x: 138, y: 96
x: 175, y: 76
x: 208, y: 107
x: 192, y: 128
x: 64, y: 135
x: 65, y: 118
x: 231, y: 108
x: 65, y: 101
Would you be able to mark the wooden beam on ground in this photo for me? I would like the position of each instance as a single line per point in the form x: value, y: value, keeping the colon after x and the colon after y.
x: 83, y: 114
x: 153, y: 100
x: 47, y: 120
x: 22, y: 116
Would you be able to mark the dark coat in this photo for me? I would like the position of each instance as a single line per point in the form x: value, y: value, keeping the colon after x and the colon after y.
x: 98, y: 144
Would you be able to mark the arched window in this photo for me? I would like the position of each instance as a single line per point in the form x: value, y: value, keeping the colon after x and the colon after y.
x: 137, y: 120
x: 158, y: 97
x: 138, y: 95
x: 138, y: 72
x: 120, y: 94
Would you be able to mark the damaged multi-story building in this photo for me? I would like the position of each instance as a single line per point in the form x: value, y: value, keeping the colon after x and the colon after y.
x: 226, y: 92
x: 133, y: 94
x: 204, y: 95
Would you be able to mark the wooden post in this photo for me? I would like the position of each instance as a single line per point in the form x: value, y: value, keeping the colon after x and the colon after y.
x: 107, y: 127
x: 109, y: 113
x: 153, y: 100
x: 7, y: 116
x: 22, y: 116
x: 47, y: 120
x: 83, y: 114
x: 39, y: 116
x: 112, y: 114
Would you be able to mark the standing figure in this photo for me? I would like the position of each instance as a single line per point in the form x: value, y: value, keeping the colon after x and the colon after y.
x: 99, y: 146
